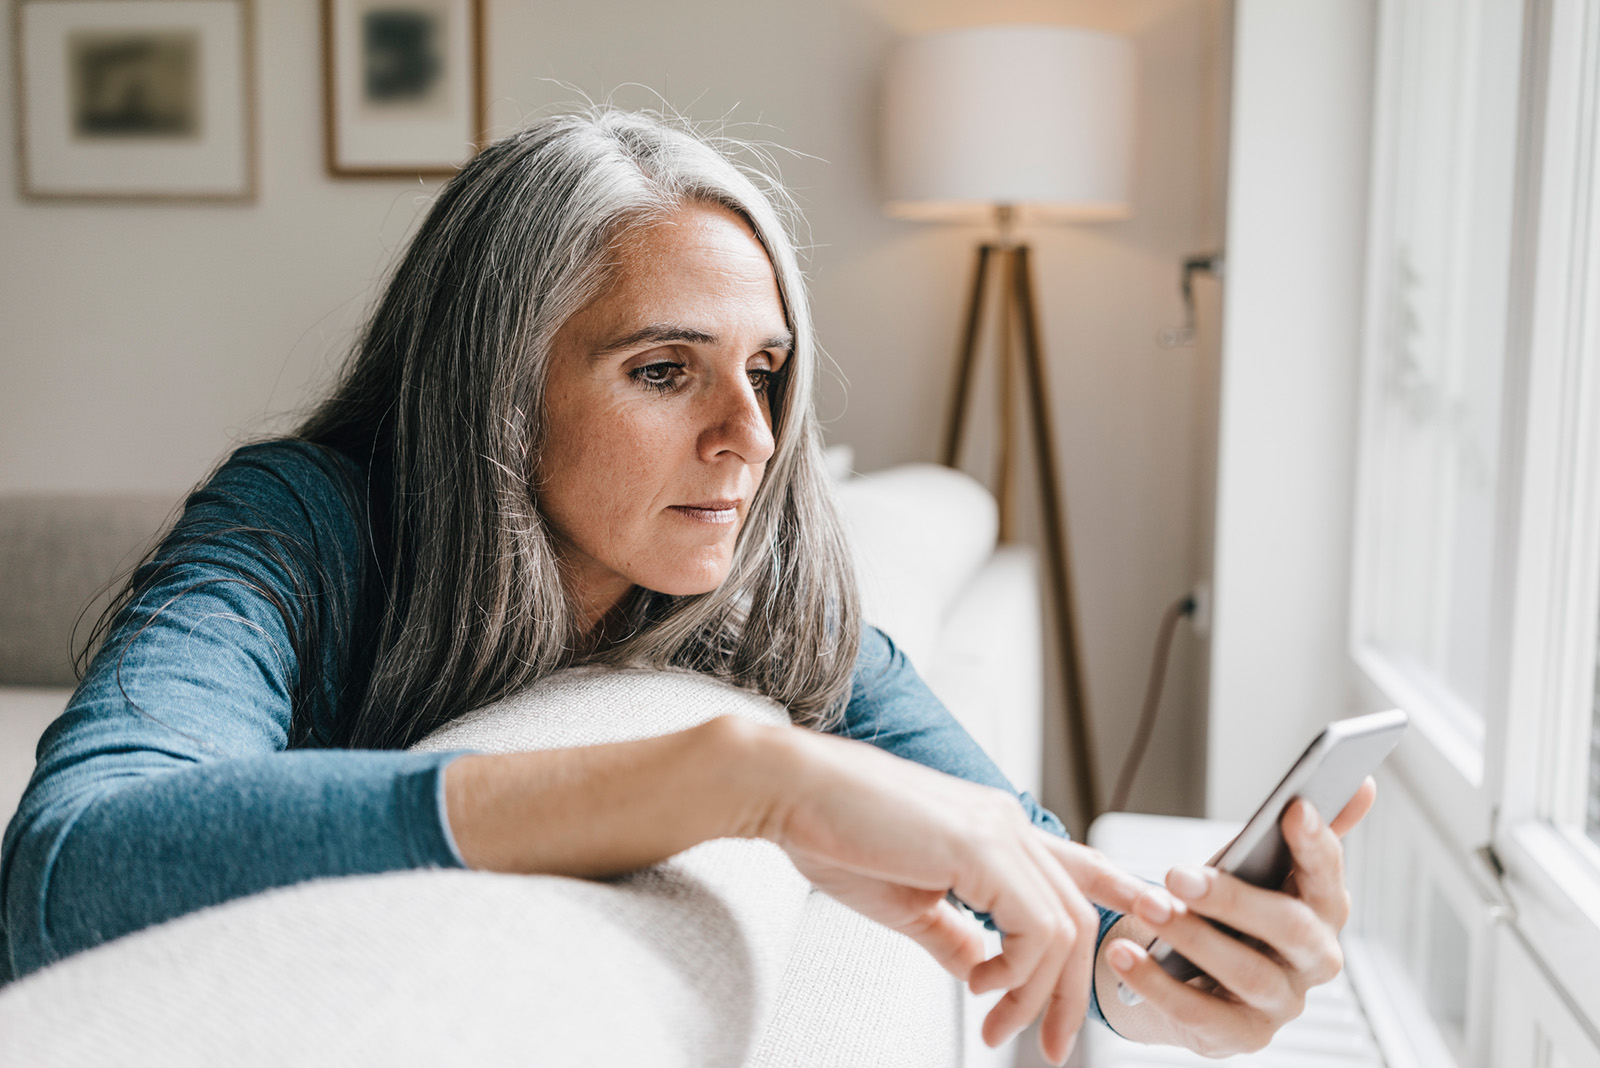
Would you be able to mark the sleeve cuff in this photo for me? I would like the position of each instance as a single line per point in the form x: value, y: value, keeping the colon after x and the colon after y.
x: 433, y: 843
x: 1108, y: 920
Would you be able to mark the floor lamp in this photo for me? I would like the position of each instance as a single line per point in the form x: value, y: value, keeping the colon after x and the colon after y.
x: 1015, y: 124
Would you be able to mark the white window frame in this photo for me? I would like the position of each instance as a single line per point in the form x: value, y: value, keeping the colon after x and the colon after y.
x: 1538, y: 1028
x: 1505, y: 813
x: 1552, y: 872
x: 1443, y: 757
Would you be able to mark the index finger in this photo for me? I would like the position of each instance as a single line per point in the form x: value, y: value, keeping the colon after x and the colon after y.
x: 1100, y: 880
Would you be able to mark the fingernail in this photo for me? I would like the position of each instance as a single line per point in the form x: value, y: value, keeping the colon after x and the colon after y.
x: 1187, y: 882
x: 1153, y: 907
x: 1121, y: 956
x: 1072, y: 1043
x: 1310, y: 821
x: 1128, y: 995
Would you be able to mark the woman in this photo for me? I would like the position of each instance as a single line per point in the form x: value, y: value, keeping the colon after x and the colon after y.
x: 578, y: 428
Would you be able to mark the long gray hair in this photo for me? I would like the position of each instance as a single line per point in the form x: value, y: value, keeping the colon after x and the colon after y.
x: 443, y: 400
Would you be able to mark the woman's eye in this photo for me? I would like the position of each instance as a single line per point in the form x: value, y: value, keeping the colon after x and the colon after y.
x: 658, y: 376
x: 761, y: 381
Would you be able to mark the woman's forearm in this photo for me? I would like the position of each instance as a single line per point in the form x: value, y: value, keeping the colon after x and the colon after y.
x: 108, y: 842
x: 603, y: 810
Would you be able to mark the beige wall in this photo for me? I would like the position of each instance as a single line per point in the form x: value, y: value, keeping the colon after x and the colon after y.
x: 140, y: 341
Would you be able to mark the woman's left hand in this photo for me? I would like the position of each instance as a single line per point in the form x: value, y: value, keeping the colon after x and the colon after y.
x: 1250, y: 991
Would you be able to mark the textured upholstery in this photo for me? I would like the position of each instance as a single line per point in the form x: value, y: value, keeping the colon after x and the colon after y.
x: 561, y: 711
x: 852, y: 996
x: 58, y: 555
x: 681, y: 964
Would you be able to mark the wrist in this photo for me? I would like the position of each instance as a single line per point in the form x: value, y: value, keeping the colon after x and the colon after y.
x: 1136, y: 1022
x: 762, y: 761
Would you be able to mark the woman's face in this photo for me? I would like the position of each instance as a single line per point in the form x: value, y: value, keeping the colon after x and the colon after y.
x: 658, y: 427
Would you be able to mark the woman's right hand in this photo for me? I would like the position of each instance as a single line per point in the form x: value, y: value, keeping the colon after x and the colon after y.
x: 889, y: 837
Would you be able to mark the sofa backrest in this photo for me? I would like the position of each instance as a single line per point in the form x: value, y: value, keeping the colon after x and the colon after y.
x: 60, y: 559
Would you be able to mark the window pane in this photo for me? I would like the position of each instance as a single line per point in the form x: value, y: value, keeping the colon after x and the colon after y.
x: 1441, y: 353
x: 1592, y: 817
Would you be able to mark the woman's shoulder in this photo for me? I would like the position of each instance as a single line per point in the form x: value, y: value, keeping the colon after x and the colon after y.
x: 283, y: 490
x: 289, y: 466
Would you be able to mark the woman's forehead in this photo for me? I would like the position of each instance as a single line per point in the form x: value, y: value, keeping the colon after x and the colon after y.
x: 692, y: 231
x: 696, y: 269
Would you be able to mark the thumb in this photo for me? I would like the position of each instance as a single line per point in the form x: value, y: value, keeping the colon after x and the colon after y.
x: 951, y: 938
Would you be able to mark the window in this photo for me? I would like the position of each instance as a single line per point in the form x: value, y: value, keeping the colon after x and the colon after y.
x: 1439, y: 294
x: 1475, y: 594
x: 1591, y: 822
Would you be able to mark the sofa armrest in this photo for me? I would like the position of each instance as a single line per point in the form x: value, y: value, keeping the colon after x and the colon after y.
x: 677, y: 964
x: 988, y: 666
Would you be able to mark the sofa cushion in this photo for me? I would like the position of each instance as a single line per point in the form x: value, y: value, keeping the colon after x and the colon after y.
x: 919, y: 533
x: 988, y: 669
x: 59, y: 555
x: 25, y: 711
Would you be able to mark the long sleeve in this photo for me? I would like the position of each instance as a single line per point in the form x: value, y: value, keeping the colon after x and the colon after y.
x: 892, y: 708
x: 166, y: 785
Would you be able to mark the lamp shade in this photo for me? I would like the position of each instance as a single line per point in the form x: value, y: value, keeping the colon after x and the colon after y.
x: 1037, y: 117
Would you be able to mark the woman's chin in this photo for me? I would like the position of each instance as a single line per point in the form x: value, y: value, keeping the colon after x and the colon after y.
x: 688, y: 581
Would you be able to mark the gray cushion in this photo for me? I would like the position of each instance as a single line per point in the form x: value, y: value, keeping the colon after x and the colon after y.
x: 59, y: 556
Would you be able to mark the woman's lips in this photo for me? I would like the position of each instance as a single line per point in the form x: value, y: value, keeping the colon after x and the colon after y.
x: 710, y: 511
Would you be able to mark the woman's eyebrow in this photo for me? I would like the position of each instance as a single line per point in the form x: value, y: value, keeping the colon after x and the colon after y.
x: 662, y: 333
x: 656, y: 334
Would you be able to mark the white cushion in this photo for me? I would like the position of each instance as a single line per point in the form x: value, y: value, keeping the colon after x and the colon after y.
x: 674, y: 965
x: 596, y: 705
x: 919, y: 533
x: 856, y: 994
x: 414, y: 968
x: 988, y: 670
x: 679, y: 964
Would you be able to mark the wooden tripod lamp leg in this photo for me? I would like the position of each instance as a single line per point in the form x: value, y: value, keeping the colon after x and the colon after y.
x: 1086, y: 785
x: 1005, y: 465
x: 967, y: 357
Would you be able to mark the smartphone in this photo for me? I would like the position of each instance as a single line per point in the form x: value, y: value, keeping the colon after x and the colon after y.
x: 1328, y: 774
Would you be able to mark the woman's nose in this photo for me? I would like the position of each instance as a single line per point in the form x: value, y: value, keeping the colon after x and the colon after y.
x: 737, y: 423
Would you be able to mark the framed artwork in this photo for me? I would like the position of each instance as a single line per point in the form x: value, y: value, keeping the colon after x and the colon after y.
x: 141, y: 99
x: 404, y: 85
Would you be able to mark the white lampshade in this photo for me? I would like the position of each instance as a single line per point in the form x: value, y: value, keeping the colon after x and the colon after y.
x: 1037, y: 117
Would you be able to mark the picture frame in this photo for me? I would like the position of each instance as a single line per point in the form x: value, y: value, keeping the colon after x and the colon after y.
x: 403, y: 86
x: 135, y: 99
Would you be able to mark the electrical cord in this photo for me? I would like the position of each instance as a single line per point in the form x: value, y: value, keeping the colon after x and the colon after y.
x: 1182, y: 607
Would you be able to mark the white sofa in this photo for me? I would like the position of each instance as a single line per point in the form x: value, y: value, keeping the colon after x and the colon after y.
x: 723, y: 955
